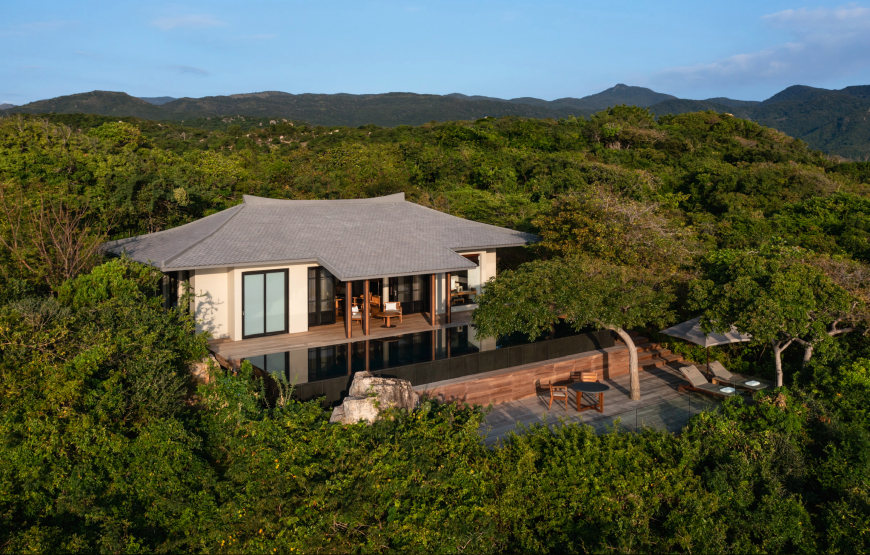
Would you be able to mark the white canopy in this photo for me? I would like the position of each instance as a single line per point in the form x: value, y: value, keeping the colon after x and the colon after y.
x: 691, y: 331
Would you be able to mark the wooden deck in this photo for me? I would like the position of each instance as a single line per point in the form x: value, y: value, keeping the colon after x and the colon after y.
x: 661, y: 407
x: 333, y: 334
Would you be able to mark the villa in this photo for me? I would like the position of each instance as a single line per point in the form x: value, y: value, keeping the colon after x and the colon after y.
x: 316, y: 290
x: 270, y: 267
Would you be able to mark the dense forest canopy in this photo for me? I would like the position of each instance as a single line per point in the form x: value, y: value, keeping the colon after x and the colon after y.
x: 108, y: 444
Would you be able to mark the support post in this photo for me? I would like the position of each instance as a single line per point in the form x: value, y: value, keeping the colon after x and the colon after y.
x: 447, y: 311
x: 367, y: 355
x: 348, y: 286
x: 349, y: 362
x: 366, y: 308
x: 433, y: 301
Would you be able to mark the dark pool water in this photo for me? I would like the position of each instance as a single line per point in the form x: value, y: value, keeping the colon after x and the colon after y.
x: 324, y: 363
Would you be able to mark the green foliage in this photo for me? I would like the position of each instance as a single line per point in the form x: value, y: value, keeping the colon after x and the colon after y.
x: 533, y: 298
x: 120, y: 135
x: 107, y: 445
x: 103, y: 450
x: 613, y: 229
x: 771, y: 295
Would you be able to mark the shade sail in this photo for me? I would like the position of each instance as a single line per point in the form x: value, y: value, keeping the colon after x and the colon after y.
x: 691, y: 331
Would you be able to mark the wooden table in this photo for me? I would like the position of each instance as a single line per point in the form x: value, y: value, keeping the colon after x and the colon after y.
x: 386, y: 315
x: 454, y: 294
x: 590, y: 387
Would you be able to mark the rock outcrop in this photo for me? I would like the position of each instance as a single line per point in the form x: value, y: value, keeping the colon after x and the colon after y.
x: 199, y: 371
x: 370, y: 395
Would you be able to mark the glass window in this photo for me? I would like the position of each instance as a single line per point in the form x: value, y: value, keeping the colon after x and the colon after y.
x: 465, y: 285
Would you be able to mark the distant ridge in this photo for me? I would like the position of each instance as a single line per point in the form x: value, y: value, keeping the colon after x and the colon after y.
x: 835, y: 121
x: 6, y: 106
x: 734, y: 103
x: 682, y: 106
x: 157, y: 100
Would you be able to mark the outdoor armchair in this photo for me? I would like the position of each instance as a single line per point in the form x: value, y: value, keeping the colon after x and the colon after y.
x: 558, y: 390
x: 393, y: 309
x: 697, y: 382
x: 356, y: 315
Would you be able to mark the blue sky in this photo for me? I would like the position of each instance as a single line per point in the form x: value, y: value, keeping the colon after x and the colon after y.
x: 692, y: 49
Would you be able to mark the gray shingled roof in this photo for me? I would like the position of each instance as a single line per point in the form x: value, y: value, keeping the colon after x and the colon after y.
x: 353, y: 239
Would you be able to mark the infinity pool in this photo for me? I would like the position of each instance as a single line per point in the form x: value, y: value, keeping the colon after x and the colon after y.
x: 422, y: 358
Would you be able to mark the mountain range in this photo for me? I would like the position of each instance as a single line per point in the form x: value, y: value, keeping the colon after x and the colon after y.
x: 834, y: 121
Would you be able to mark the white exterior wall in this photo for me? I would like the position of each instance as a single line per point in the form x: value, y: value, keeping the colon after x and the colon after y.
x: 440, y: 305
x: 212, y: 302
x: 217, y: 306
x: 297, y: 287
x: 218, y: 302
x: 476, y: 277
x: 487, y: 266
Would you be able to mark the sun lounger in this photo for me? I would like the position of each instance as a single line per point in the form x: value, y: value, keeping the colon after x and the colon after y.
x: 700, y: 384
x: 723, y: 376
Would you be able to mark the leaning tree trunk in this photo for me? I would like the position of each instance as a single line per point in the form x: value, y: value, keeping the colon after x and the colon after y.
x: 808, y: 345
x: 634, y: 388
x: 777, y: 360
x: 778, y: 348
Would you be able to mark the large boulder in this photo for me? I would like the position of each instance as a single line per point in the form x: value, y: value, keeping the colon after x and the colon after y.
x: 201, y: 370
x: 369, y: 396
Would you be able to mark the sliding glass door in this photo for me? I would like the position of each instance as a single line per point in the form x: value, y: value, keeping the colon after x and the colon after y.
x: 264, y: 303
x: 412, y: 292
x: 322, y: 307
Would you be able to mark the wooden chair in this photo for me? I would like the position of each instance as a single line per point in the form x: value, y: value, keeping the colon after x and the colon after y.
x: 584, y: 376
x: 557, y: 391
x: 356, y: 315
x: 391, y: 312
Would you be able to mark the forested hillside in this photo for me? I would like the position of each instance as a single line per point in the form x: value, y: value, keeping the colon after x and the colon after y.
x: 736, y: 182
x: 109, y: 445
x: 834, y: 121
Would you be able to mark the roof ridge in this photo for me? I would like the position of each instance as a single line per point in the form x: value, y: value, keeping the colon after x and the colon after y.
x: 251, y: 200
x: 238, y: 208
x: 473, y: 221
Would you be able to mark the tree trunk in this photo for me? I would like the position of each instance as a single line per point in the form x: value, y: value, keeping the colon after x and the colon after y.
x: 808, y: 353
x: 777, y: 359
x: 808, y: 345
x: 778, y: 348
x: 634, y: 375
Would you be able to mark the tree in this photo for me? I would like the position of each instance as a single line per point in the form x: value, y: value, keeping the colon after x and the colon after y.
x: 51, y: 239
x: 583, y: 292
x: 853, y: 277
x: 774, y: 295
x: 615, y: 229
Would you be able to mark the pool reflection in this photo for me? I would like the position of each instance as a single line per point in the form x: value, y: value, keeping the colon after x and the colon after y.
x: 334, y: 361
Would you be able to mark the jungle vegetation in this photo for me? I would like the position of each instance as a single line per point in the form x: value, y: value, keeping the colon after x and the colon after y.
x: 109, y: 445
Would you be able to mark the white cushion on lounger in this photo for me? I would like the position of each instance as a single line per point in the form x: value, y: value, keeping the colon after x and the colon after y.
x: 391, y: 306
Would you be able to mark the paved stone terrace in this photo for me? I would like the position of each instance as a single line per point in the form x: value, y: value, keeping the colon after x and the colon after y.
x: 661, y: 406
